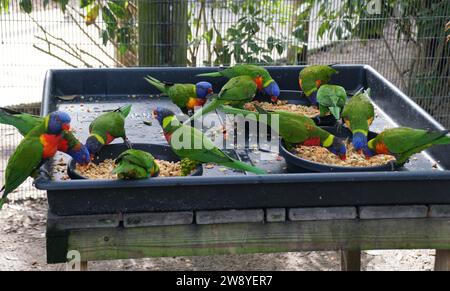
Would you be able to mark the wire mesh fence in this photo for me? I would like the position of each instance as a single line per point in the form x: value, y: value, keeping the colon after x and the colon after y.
x: 404, y: 40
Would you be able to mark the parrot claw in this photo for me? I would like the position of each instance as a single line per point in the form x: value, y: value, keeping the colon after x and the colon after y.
x: 44, y: 174
x: 127, y: 143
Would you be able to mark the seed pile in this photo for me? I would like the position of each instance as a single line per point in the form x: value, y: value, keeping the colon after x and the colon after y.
x: 283, y: 105
x: 354, y: 159
x: 104, y: 170
x: 101, y: 171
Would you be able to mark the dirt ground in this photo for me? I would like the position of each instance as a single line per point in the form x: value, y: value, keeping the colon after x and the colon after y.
x: 22, y: 247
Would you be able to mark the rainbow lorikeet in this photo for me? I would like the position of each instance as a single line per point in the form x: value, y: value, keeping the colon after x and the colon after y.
x: 106, y: 128
x: 189, y: 142
x: 403, y: 142
x: 312, y: 77
x: 236, y: 92
x: 331, y: 98
x: 26, y: 122
x: 40, y: 144
x: 135, y: 164
x: 185, y: 96
x: 358, y: 115
x: 296, y: 129
x: 260, y: 76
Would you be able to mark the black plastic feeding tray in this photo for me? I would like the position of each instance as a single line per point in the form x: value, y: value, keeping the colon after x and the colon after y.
x: 112, y: 151
x: 86, y: 93
x: 295, y: 164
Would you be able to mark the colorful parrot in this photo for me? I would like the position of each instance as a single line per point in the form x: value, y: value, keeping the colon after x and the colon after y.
x: 312, y: 77
x: 331, y: 98
x: 358, y: 115
x: 185, y: 96
x: 236, y: 92
x: 40, y: 144
x: 106, y: 128
x: 296, y: 129
x: 188, y: 142
x: 403, y: 142
x: 260, y: 76
x: 135, y: 164
x: 26, y: 122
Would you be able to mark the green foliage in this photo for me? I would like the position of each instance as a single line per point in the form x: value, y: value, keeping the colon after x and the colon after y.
x: 26, y: 6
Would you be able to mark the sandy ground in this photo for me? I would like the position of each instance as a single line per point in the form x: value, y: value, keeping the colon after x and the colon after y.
x: 22, y: 247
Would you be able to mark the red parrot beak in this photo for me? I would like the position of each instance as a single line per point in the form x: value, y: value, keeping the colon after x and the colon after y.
x: 274, y: 99
x: 66, y: 126
x: 92, y: 157
x: 210, y: 91
x: 343, y: 157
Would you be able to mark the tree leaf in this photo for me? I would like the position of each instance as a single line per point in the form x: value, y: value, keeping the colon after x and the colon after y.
x: 119, y: 11
x: 84, y: 3
x: 63, y: 4
x: 92, y: 15
x: 26, y: 6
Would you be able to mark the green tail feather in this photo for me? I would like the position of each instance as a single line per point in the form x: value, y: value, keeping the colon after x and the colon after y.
x: 6, y: 117
x: 214, y: 74
x: 211, y: 106
x: 125, y: 110
x: 261, y: 110
x: 336, y: 111
x: 157, y: 83
x: 443, y: 140
x: 3, y: 199
x: 238, y: 165
x: 246, y: 113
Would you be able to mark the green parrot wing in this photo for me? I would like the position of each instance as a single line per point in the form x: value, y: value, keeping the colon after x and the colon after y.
x: 110, y: 122
x: 333, y: 98
x: 403, y: 139
x: 314, y: 76
x: 241, y: 89
x: 358, y: 113
x: 180, y: 94
x: 22, y: 121
x: 25, y: 159
x: 188, y: 142
x: 137, y: 157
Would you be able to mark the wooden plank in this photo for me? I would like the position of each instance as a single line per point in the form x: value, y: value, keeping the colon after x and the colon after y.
x: 158, y: 218
x: 191, y: 240
x: 82, y: 221
x: 439, y: 211
x: 442, y: 260
x: 350, y: 260
x: 383, y: 212
x: 229, y: 216
x: 319, y: 213
x: 276, y: 215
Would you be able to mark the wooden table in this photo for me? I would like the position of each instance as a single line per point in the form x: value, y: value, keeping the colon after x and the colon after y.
x: 348, y: 229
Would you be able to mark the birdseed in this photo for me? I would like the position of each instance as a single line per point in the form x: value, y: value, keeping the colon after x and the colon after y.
x: 354, y: 159
x: 283, y: 105
x: 104, y: 170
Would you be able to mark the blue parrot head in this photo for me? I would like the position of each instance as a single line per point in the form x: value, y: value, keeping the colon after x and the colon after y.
x: 80, y: 155
x: 273, y: 91
x: 57, y: 122
x: 338, y: 148
x: 93, y: 145
x: 160, y: 113
x: 203, y: 89
x: 359, y: 141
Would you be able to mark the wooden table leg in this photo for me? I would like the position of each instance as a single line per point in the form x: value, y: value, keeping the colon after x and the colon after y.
x: 442, y: 260
x: 350, y: 260
x: 84, y: 266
